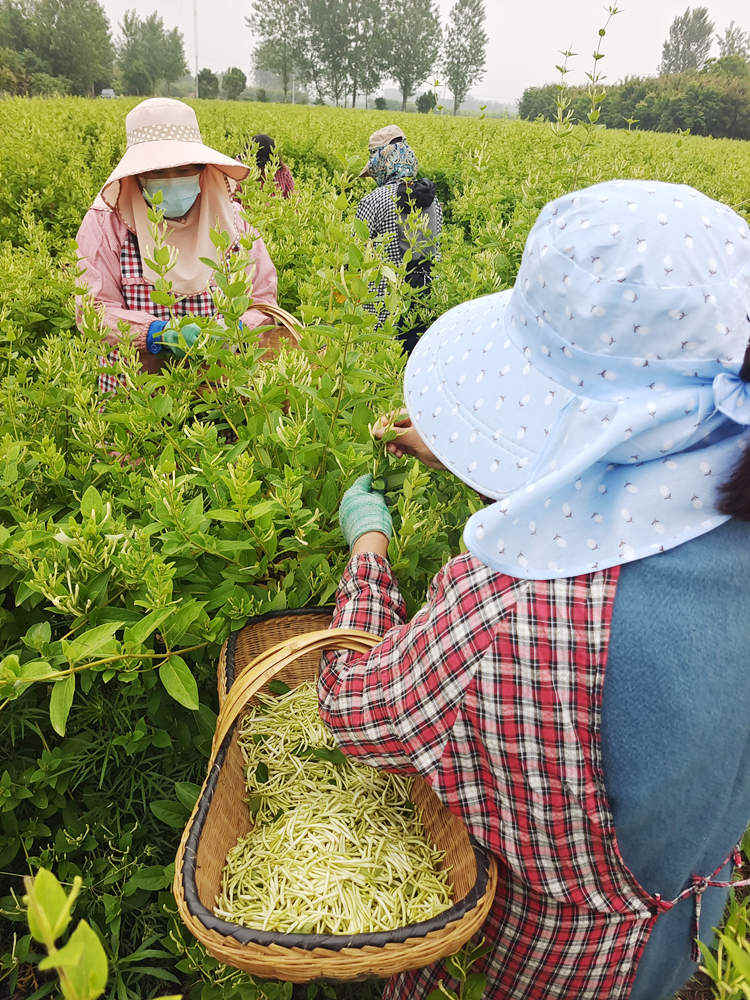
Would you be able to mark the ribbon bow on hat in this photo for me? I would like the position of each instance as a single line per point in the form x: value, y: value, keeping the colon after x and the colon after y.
x: 732, y: 396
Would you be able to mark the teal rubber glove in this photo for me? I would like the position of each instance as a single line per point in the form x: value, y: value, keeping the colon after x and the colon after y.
x: 172, y: 339
x: 363, y: 509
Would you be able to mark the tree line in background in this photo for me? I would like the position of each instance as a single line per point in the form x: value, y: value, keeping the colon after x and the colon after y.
x: 342, y: 50
x: 338, y: 48
x: 694, y: 92
x: 345, y: 49
x: 48, y: 46
x: 66, y: 47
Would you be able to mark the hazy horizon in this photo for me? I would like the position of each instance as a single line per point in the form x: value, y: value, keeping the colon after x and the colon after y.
x: 524, y: 41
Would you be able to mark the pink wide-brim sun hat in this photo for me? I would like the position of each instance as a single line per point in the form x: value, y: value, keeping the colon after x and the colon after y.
x: 163, y: 133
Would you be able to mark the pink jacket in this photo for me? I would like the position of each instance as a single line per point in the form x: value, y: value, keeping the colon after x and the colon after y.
x: 100, y: 239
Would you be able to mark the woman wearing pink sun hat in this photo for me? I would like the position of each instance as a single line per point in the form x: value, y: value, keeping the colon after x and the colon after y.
x: 165, y: 153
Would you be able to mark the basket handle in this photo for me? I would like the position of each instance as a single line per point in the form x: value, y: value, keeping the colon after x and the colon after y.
x: 268, y: 663
x: 282, y: 317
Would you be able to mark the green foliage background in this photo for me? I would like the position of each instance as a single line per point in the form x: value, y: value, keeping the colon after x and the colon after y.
x: 120, y: 579
x: 714, y: 101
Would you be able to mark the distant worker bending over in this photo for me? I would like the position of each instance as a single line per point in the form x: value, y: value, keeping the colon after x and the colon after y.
x: 388, y: 212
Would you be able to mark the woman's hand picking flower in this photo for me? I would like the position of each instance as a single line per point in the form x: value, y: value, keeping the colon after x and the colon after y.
x: 407, y: 442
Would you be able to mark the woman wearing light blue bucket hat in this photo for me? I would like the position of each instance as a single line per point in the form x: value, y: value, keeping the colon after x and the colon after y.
x: 603, y: 408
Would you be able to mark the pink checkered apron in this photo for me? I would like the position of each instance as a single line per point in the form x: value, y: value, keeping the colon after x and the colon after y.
x: 136, y: 293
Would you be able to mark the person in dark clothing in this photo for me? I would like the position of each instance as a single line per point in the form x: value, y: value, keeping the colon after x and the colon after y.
x: 265, y: 147
x: 404, y: 208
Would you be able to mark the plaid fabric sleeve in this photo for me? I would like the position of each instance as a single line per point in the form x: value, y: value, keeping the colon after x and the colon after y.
x: 99, y: 260
x: 396, y: 706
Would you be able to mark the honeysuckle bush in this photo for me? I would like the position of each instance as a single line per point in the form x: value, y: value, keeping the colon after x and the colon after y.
x: 137, y: 531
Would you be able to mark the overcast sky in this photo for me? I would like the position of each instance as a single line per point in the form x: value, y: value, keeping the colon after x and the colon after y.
x: 525, y: 37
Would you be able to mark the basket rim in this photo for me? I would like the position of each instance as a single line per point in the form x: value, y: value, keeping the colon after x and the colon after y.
x: 257, y: 620
x: 305, y: 942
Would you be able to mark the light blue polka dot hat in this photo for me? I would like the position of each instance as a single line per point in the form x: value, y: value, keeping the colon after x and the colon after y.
x: 598, y: 402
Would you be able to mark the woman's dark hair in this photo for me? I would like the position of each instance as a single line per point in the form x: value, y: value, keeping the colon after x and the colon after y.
x: 735, y: 494
x: 419, y: 193
x: 263, y: 153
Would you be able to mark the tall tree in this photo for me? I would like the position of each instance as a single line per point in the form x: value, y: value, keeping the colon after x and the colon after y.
x: 464, y: 48
x: 173, y: 63
x: 233, y: 83
x: 414, y: 37
x: 734, y: 42
x: 16, y: 25
x: 148, y: 53
x: 327, y: 47
x: 71, y: 38
x: 278, y: 26
x: 689, y: 41
x: 372, y: 73
x: 208, y: 84
x: 366, y: 49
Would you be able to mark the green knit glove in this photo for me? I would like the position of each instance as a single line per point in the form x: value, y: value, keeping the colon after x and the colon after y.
x: 363, y: 510
x: 172, y: 339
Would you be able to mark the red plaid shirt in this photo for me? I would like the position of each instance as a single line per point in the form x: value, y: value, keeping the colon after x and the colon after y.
x: 492, y: 693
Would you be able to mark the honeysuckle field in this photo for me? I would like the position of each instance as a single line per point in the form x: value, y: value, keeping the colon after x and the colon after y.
x: 135, y: 536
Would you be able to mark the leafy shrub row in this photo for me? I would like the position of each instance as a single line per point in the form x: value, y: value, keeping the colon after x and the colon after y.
x: 134, y: 537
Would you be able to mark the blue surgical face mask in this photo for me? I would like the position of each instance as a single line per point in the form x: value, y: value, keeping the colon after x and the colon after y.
x: 178, y: 194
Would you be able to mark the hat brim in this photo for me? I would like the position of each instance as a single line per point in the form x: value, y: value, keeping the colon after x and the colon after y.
x: 161, y: 154
x: 477, y: 402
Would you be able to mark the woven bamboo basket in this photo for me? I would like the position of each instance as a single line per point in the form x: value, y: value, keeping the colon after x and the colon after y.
x: 288, y: 646
x: 286, y: 332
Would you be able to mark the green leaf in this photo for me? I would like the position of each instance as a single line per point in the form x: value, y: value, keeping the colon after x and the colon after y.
x: 452, y: 964
x: 95, y: 640
x: 138, y: 633
x: 474, y: 986
x: 278, y: 687
x: 740, y: 958
x: 187, y: 792
x: 181, y: 620
x: 229, y: 516
x: 179, y: 682
x: 166, y: 462
x: 60, y: 701
x: 48, y: 907
x: 151, y: 878
x: 64, y: 958
x: 170, y: 812
x: 38, y: 636
x: 261, y: 773
x: 32, y: 671
x: 92, y: 505
x: 85, y: 977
